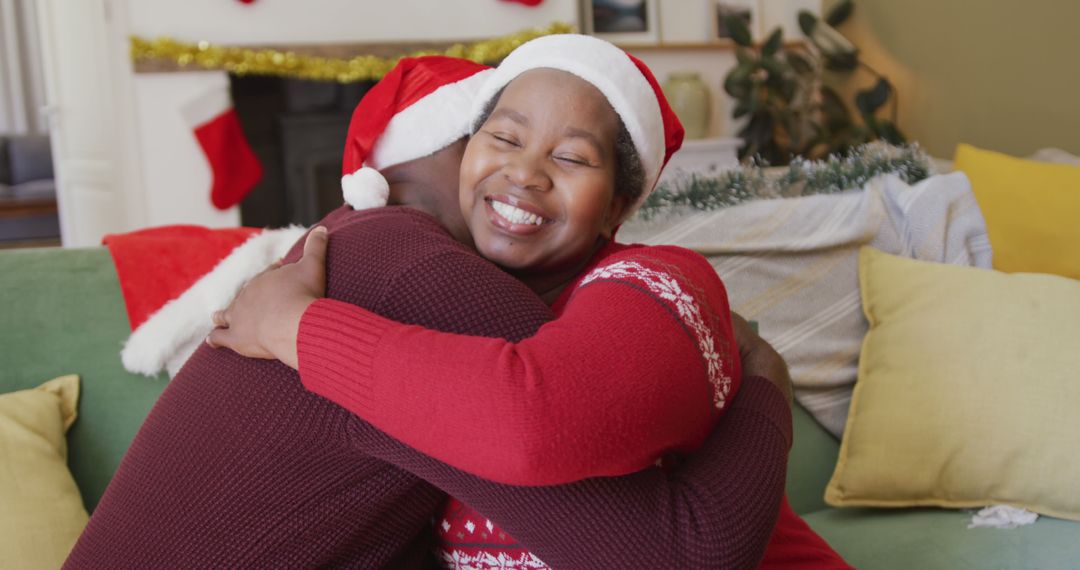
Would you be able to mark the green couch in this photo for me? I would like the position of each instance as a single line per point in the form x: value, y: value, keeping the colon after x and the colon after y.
x: 63, y: 313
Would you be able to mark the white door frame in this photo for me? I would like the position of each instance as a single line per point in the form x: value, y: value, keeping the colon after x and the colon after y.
x: 89, y: 89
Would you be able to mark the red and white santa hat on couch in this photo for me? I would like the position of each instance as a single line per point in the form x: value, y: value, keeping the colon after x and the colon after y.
x: 623, y: 79
x: 420, y: 107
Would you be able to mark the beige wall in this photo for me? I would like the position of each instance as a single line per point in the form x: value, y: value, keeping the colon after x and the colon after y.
x: 1000, y: 74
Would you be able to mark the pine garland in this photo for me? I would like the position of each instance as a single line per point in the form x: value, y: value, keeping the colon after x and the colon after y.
x: 801, y: 178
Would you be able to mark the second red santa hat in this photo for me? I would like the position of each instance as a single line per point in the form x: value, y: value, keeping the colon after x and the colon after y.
x: 418, y: 108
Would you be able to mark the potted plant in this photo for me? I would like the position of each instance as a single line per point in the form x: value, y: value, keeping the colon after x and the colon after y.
x: 790, y: 110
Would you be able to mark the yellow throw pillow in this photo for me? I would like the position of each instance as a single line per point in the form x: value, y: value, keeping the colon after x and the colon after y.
x: 1032, y: 210
x: 968, y: 391
x: 41, y: 511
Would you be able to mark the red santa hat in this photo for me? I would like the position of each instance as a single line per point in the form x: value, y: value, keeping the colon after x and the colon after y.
x: 623, y: 79
x: 417, y: 109
x: 174, y: 277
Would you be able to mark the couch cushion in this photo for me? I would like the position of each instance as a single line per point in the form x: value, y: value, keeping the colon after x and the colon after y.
x: 967, y: 390
x: 931, y: 539
x: 63, y: 313
x: 33, y: 190
x: 42, y: 514
x: 31, y: 158
x: 1031, y: 210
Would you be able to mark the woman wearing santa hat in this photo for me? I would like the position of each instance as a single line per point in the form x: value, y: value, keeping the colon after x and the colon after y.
x: 641, y: 360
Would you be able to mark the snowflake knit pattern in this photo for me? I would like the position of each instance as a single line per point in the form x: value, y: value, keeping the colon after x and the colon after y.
x: 664, y: 286
x: 470, y: 541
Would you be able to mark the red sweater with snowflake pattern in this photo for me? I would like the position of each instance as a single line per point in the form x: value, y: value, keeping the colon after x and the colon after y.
x: 639, y: 363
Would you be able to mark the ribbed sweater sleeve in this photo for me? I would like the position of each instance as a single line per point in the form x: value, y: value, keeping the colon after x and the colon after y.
x: 525, y: 412
x: 716, y: 510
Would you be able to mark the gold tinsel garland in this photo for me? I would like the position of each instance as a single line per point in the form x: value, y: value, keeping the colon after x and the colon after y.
x: 244, y: 61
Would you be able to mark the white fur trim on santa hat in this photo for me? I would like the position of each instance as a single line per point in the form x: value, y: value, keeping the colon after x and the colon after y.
x: 365, y: 188
x: 606, y: 67
x: 428, y: 125
x: 171, y: 335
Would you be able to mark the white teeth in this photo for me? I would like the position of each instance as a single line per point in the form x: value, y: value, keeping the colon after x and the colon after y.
x: 516, y: 215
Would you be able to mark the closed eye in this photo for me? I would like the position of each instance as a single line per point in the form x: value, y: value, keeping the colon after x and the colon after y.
x: 573, y: 160
x: 504, y: 139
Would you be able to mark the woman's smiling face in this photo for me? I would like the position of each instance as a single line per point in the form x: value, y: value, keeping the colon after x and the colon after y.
x: 538, y: 177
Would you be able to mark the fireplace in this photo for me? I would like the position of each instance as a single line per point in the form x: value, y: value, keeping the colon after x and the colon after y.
x: 297, y: 130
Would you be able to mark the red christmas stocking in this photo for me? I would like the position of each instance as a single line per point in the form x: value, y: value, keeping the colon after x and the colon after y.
x: 234, y: 166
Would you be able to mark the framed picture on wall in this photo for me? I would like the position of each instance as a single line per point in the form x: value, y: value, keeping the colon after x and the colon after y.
x: 622, y: 21
x: 746, y: 10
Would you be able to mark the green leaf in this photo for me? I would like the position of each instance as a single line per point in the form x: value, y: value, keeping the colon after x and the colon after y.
x: 737, y: 89
x: 773, y: 43
x: 745, y: 56
x: 840, y: 13
x: 889, y: 133
x: 799, y: 63
x: 743, y: 108
x: 831, y: 42
x: 807, y: 22
x: 835, y: 112
x: 841, y: 62
x: 739, y: 32
x: 738, y: 83
x: 870, y: 100
x: 775, y: 67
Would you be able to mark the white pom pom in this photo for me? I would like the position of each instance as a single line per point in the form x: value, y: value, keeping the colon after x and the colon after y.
x: 364, y: 189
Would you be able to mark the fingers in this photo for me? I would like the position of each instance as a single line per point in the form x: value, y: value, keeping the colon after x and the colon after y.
x: 218, y: 338
x: 744, y: 334
x: 220, y: 319
x: 312, y: 266
x: 315, y: 246
x: 739, y: 320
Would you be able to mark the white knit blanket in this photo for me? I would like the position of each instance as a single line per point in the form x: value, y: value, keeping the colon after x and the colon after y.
x: 792, y: 265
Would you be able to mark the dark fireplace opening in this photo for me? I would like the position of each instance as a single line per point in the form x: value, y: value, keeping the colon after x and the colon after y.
x: 297, y: 129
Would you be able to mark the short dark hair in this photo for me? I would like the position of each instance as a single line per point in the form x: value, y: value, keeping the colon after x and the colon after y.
x: 629, y: 172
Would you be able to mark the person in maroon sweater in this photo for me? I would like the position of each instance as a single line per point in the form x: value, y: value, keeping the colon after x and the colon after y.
x: 364, y: 372
x: 238, y: 465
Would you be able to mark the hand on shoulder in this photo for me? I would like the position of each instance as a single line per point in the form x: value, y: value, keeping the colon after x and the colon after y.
x: 759, y: 358
x: 263, y: 319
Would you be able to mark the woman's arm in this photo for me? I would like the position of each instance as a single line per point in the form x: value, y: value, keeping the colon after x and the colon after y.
x: 619, y: 379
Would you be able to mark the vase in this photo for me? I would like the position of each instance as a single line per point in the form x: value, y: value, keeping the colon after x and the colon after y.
x: 689, y: 98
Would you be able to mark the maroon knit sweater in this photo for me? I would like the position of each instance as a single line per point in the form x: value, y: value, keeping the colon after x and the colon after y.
x: 238, y: 465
